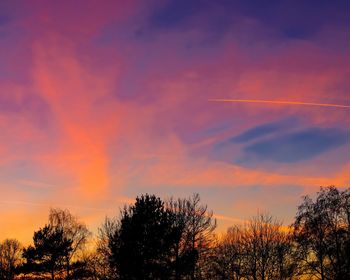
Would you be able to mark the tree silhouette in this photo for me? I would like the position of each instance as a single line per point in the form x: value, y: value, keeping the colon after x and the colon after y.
x: 267, y: 249
x: 72, y: 229
x: 258, y: 250
x: 228, y: 259
x: 196, y: 225
x: 10, y: 258
x: 103, y: 250
x: 174, y: 240
x: 143, y: 246
x: 322, y: 232
x: 48, y: 253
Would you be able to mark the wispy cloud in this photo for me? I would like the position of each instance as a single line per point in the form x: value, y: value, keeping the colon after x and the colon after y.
x: 101, y: 106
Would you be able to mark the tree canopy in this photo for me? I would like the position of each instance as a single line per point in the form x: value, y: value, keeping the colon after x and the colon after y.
x: 174, y: 239
x: 143, y: 246
x: 322, y: 233
x: 47, y: 254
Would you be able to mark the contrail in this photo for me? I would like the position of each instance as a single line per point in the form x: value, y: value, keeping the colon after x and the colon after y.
x: 280, y: 102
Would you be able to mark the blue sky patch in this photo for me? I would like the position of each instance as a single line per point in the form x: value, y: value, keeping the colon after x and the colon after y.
x: 298, y: 146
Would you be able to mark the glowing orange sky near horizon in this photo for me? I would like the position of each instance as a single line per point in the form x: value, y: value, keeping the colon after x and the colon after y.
x: 100, y: 102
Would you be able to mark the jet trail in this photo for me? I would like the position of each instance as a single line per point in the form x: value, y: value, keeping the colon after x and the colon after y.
x: 280, y: 102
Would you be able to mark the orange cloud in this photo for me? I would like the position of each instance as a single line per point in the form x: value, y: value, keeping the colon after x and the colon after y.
x: 97, y: 144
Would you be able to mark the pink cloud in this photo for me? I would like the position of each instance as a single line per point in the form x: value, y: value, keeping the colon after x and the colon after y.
x: 130, y: 113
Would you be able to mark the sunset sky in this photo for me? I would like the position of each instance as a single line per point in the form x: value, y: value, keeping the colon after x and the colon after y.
x: 103, y: 100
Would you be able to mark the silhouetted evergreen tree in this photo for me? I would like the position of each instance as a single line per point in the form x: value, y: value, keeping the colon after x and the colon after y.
x: 143, y: 245
x: 48, y: 253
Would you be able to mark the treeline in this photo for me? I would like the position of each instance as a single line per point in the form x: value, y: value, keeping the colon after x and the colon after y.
x: 175, y: 239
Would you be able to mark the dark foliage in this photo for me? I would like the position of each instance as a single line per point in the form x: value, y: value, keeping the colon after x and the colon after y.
x: 48, y: 253
x: 174, y: 240
x: 143, y: 246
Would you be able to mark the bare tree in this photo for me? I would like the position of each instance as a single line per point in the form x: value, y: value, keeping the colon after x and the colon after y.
x: 103, y: 254
x: 322, y: 232
x: 285, y: 256
x: 10, y: 258
x: 266, y: 249
x: 228, y: 259
x: 198, y: 225
x: 73, y: 230
x: 260, y: 249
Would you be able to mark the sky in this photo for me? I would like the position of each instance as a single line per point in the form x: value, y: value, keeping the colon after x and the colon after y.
x: 101, y: 101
